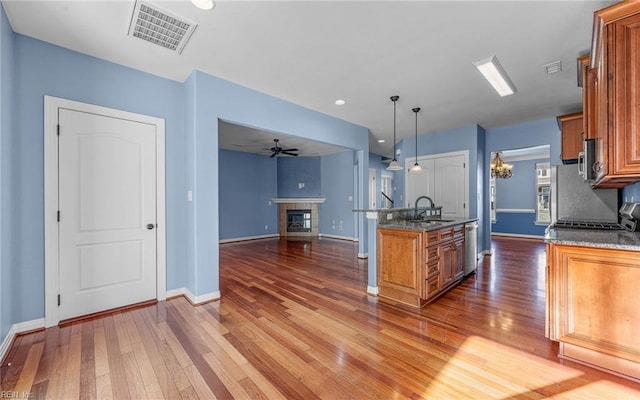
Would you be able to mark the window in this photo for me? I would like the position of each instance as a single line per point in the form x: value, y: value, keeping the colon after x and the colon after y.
x: 543, y: 181
x: 385, y: 187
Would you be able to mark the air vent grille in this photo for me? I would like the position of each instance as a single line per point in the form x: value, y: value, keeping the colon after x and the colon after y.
x: 552, y: 67
x: 160, y: 27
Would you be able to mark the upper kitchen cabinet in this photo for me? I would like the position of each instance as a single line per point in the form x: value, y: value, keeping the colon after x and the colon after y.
x: 615, y: 60
x: 571, y: 129
x: 587, y: 80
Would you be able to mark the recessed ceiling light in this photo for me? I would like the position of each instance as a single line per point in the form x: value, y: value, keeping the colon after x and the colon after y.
x: 496, y: 75
x: 340, y: 102
x: 380, y: 140
x: 204, y: 4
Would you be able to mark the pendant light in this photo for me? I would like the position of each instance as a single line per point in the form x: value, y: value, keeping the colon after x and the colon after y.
x: 394, y: 165
x: 416, y: 167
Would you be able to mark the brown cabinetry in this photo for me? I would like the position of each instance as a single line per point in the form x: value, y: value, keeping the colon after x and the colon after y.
x: 414, y: 267
x: 592, y: 306
x: 400, y: 261
x: 587, y: 79
x: 571, y: 131
x: 615, y: 61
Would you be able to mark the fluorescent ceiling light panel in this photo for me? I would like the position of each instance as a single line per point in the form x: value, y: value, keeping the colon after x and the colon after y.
x: 496, y: 75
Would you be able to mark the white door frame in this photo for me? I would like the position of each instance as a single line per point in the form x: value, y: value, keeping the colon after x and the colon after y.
x: 51, y: 238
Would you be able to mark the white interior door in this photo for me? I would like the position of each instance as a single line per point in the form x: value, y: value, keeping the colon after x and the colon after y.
x: 107, y: 203
x: 450, y: 185
x: 420, y: 184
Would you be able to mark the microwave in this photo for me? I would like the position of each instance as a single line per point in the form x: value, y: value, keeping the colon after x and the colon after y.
x: 586, y: 160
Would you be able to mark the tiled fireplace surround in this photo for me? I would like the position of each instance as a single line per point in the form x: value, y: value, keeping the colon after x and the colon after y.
x: 285, y: 204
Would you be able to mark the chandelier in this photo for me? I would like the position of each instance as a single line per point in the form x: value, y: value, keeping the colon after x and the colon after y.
x: 500, y: 169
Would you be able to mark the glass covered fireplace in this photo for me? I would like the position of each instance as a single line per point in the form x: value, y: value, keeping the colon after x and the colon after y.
x: 298, y: 221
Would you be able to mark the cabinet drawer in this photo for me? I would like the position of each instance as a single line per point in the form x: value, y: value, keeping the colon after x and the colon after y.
x: 433, y: 267
x: 431, y: 237
x: 432, y: 252
x: 431, y: 286
x: 447, y: 233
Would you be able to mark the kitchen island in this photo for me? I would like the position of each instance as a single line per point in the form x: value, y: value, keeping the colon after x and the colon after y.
x: 418, y: 261
x: 593, y: 297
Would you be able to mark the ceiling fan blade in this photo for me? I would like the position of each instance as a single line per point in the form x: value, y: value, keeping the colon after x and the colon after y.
x: 290, y: 154
x: 272, y: 155
x: 289, y: 150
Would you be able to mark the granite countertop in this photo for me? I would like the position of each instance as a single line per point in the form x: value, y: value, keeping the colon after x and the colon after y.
x: 617, y: 239
x: 425, y: 225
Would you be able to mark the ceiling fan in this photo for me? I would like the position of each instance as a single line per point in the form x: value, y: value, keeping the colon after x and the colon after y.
x: 277, y: 149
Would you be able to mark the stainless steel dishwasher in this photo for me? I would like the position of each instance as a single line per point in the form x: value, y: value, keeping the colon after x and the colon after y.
x: 470, y: 247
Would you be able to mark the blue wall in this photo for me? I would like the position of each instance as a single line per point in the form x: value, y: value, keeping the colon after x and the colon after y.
x: 214, y: 99
x: 8, y: 293
x: 518, y: 193
x: 471, y: 138
x: 247, y: 185
x: 295, y: 170
x: 32, y: 69
x: 43, y: 69
x: 336, y: 215
x: 528, y: 134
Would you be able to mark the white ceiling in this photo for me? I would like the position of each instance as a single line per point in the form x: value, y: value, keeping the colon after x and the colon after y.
x: 314, y: 52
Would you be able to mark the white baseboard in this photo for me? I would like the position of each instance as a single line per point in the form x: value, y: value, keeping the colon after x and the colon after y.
x: 373, y: 290
x: 242, y: 239
x: 175, y: 292
x: 363, y: 255
x: 203, y: 298
x: 15, y: 330
x: 192, y: 297
x: 517, y: 235
x: 351, y: 239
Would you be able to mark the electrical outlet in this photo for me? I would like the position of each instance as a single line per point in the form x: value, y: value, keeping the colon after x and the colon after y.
x: 349, y: 198
x: 389, y: 216
x: 266, y: 227
x: 189, y: 195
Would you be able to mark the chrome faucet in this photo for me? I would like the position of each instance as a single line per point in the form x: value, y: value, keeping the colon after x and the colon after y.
x: 415, y: 211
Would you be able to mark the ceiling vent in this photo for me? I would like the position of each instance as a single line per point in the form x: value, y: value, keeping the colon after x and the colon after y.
x: 160, y: 27
x: 552, y: 68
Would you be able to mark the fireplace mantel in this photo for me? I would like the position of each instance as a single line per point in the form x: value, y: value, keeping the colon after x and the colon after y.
x: 296, y: 200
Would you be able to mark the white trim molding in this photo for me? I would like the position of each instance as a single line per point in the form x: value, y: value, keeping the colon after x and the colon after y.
x: 298, y: 200
x: 243, y: 239
x: 326, y: 235
x: 204, y: 298
x: 51, y: 239
x: 372, y: 290
x: 516, y: 210
x: 517, y: 235
x: 17, y: 329
x: 363, y: 255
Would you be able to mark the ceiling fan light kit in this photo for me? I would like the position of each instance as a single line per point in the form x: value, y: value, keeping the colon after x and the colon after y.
x: 277, y: 150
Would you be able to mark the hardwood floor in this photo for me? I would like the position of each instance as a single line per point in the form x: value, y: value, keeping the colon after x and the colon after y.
x: 294, y: 322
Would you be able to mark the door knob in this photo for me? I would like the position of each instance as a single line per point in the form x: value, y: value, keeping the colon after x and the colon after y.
x: 150, y: 226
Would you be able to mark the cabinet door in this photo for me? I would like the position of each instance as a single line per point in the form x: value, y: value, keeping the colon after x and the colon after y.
x: 400, y: 264
x: 458, y: 271
x: 572, y: 136
x: 588, y: 98
x: 448, y: 263
x: 592, y: 299
x: 625, y: 99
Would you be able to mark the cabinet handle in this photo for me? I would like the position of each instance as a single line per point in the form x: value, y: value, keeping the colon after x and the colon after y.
x: 597, y: 166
